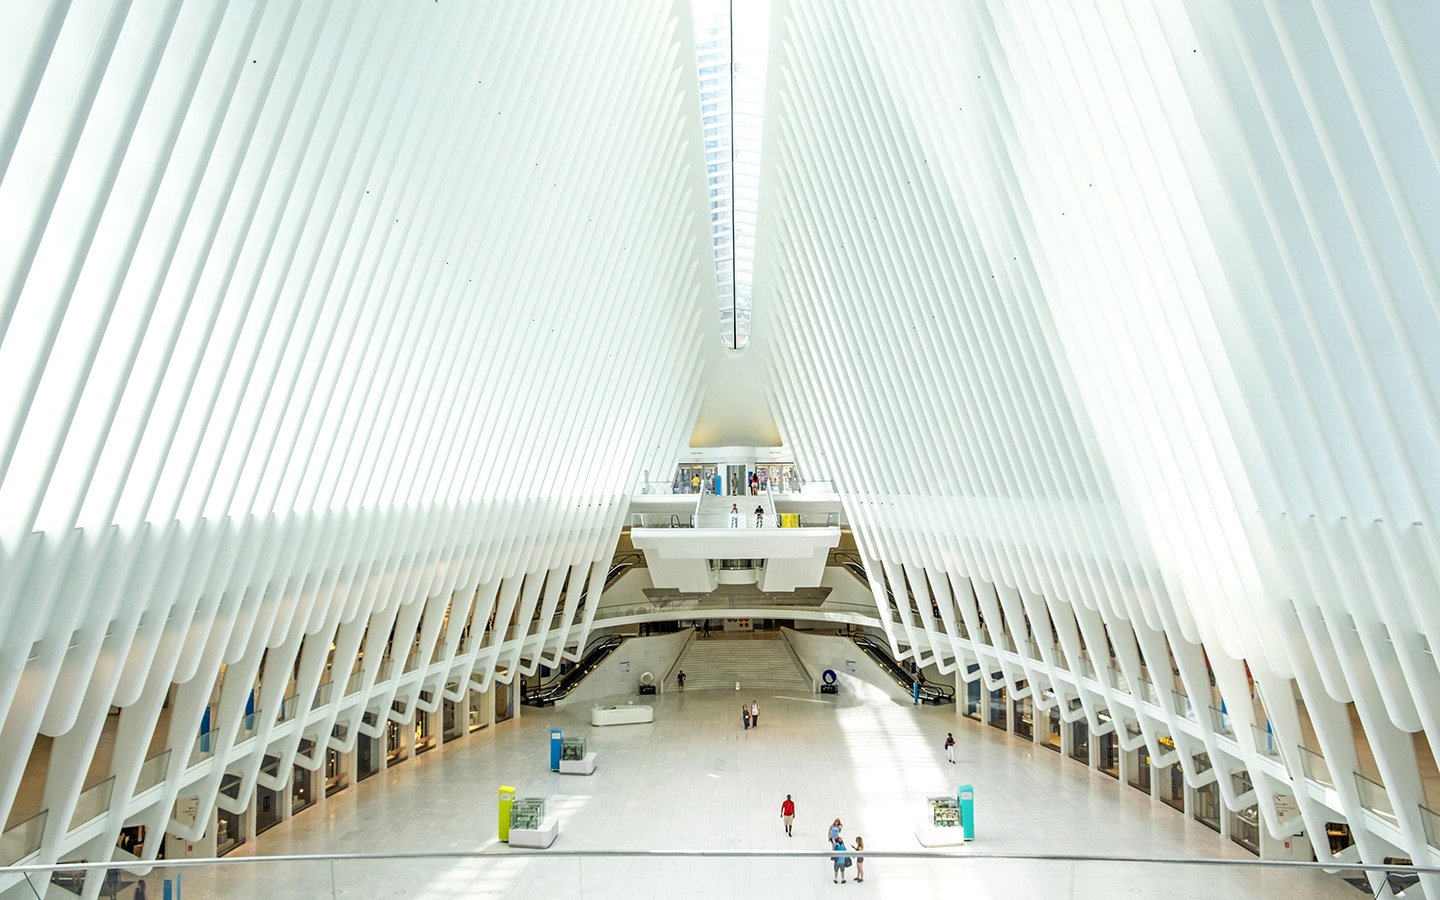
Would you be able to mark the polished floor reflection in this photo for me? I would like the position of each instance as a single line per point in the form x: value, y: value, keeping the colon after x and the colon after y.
x: 695, y: 779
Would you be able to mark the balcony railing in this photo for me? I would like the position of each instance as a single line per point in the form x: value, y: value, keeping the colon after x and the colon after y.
x: 1265, y: 742
x: 22, y: 839
x: 94, y: 802
x: 1375, y: 798
x: 1315, y: 767
x: 152, y: 772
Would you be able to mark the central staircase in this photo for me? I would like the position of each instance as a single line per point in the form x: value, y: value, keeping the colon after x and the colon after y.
x: 763, y: 662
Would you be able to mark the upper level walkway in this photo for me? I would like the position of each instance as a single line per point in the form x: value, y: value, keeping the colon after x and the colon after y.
x: 685, y: 538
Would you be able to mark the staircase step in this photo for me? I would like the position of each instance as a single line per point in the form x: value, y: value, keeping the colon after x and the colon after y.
x: 757, y: 664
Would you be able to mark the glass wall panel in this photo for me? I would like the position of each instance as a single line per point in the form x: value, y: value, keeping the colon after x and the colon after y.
x: 1080, y: 741
x: 1140, y: 769
x: 997, y: 708
x: 1207, y: 806
x: 1022, y: 711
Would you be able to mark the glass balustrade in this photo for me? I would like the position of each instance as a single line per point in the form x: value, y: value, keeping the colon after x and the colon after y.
x: 1431, y: 820
x: 1220, y: 720
x: 1265, y: 742
x: 152, y: 771
x: 22, y: 839
x: 93, y: 803
x: 1315, y: 767
x: 1182, y: 705
x: 1375, y: 798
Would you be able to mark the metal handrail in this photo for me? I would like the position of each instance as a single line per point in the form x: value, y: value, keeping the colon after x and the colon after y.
x: 1325, y: 867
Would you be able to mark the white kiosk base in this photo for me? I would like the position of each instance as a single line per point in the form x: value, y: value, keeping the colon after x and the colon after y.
x: 621, y: 715
x: 536, y: 838
x: 584, y: 766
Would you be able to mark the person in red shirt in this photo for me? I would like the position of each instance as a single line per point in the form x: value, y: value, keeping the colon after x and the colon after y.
x: 787, y: 812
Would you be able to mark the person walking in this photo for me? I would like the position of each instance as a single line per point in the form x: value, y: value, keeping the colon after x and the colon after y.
x: 840, y: 861
x: 745, y: 716
x: 680, y: 679
x: 754, y: 714
x: 950, y: 747
x: 695, y: 483
x: 787, y: 813
x: 859, y: 860
x: 734, y: 516
x: 835, y: 831
x: 754, y: 484
x: 759, y: 516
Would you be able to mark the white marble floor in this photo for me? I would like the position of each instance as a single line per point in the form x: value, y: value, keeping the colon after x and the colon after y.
x: 694, y: 780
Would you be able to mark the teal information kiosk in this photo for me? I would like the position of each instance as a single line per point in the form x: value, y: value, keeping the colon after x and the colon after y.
x: 557, y: 737
x: 965, y: 798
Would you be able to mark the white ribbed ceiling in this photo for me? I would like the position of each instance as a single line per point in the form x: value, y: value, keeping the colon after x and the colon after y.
x: 1114, y: 325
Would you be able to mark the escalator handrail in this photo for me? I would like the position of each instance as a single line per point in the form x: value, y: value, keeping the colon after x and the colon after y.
x: 899, y: 672
x: 561, y: 685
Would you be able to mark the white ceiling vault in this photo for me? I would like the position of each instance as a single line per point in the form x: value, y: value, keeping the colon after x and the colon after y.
x: 1114, y: 325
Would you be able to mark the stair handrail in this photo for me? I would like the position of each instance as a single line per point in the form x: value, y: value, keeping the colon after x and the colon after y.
x: 679, y: 656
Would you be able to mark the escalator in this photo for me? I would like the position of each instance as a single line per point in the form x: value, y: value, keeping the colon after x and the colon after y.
x: 560, y: 686
x: 930, y: 692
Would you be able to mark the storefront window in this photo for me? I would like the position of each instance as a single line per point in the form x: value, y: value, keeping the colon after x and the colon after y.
x: 1140, y: 769
x: 336, y: 778
x: 972, y: 700
x: 1207, y: 806
x: 367, y: 756
x: 1107, y: 751
x: 1080, y: 741
x: 267, y: 802
x: 997, y: 708
x: 1173, y: 784
x: 503, y: 708
x: 394, y: 743
x: 1023, y: 716
x: 1052, y: 729
x: 1245, y: 828
x: 477, y: 711
x: 229, y: 827
x: 302, y: 788
x: 452, y: 724
x: 424, y: 736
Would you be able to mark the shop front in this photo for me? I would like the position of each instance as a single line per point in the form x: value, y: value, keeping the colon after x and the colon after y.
x: 997, y: 709
x: 1139, y: 777
x: 1172, y: 784
x: 267, y: 802
x: 1023, y: 715
x: 367, y: 756
x: 1107, y: 754
x: 452, y: 723
x: 302, y: 788
x: 972, y: 700
x: 424, y: 732
x: 229, y: 826
x: 336, y: 778
x: 1208, y: 808
x: 1080, y: 741
x: 1052, y: 730
x: 395, y: 752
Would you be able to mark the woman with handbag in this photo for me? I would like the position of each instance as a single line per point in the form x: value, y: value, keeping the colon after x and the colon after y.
x: 840, y: 861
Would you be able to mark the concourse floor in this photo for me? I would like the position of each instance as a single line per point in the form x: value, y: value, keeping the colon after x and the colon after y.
x: 695, y: 780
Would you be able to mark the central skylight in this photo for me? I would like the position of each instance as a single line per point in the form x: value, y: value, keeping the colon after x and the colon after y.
x: 731, y: 42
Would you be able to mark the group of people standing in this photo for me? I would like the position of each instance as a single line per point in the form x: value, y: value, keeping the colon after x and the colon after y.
x: 750, y: 715
x: 842, y: 861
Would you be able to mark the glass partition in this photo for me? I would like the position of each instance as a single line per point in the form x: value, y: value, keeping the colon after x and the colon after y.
x: 1080, y: 741
x: 1023, y: 716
